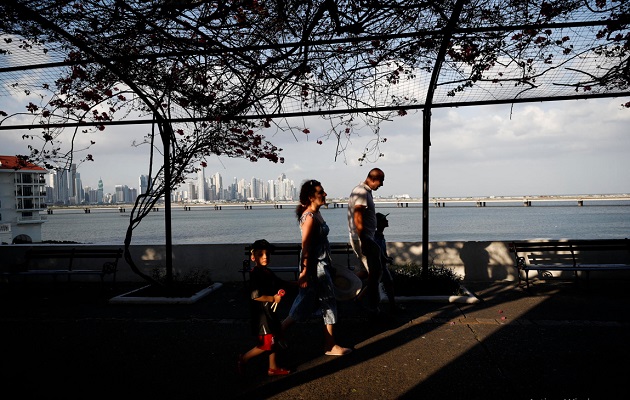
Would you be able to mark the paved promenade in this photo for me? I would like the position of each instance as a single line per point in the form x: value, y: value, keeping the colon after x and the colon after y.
x: 559, y: 341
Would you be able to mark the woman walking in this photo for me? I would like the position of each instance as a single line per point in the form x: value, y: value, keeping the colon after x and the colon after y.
x: 316, y: 291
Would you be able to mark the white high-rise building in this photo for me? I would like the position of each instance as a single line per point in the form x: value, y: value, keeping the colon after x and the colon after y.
x: 99, y: 192
x: 218, y: 186
x: 258, y: 189
x: 78, y: 187
x: 284, y: 188
x: 271, y: 190
x: 201, y: 186
x: 242, y: 189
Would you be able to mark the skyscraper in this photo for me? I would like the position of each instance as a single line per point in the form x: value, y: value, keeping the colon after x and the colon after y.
x: 143, y: 183
x: 60, y: 186
x: 78, y: 188
x: 99, y: 192
x: 218, y: 186
x: 121, y: 193
x: 201, y: 185
x: 72, y: 185
x: 271, y: 190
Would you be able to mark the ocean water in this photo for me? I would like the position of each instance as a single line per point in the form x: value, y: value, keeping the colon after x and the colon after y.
x: 199, y: 225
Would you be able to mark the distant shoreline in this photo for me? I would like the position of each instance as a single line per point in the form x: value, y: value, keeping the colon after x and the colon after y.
x: 400, y: 202
x: 455, y: 222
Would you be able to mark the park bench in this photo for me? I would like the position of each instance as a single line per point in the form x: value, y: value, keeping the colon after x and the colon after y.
x: 292, y: 252
x: 570, y: 255
x: 44, y: 262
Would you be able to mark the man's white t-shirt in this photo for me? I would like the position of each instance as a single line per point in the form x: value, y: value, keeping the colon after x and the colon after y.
x: 361, y: 195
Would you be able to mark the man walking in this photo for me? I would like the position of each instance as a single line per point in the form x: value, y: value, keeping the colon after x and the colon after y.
x: 362, y: 226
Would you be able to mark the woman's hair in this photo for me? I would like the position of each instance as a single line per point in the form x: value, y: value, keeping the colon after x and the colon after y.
x: 307, y: 191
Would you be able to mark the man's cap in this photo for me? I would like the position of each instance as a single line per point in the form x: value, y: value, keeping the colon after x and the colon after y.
x: 262, y: 244
x: 381, y: 217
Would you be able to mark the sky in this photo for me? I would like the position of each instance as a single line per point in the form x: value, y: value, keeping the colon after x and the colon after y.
x: 544, y: 148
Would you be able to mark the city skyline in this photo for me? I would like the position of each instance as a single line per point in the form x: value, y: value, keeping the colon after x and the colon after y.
x: 241, y: 191
x: 65, y: 187
x: 567, y: 147
x: 189, y: 181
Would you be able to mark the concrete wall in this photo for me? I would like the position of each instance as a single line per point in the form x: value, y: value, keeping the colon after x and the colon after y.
x: 474, y: 261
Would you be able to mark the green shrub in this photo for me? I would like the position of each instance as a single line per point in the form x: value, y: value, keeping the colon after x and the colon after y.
x: 408, y: 281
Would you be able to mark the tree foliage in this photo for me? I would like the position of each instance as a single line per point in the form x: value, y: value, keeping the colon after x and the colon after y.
x: 217, y: 64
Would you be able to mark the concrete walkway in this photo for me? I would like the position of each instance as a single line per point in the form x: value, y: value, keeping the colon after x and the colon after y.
x: 558, y: 341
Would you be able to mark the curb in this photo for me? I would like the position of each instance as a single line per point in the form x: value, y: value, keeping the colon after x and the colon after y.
x: 125, y: 299
x: 469, y: 298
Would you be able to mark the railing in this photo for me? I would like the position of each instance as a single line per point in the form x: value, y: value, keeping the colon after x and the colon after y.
x: 32, y: 219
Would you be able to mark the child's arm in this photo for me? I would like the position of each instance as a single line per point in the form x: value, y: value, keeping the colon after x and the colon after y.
x: 269, y: 299
x: 384, y: 256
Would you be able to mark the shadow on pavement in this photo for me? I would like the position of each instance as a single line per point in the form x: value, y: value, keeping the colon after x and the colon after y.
x: 559, y: 340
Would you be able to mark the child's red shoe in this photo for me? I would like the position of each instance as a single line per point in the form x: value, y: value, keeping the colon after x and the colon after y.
x: 278, y: 371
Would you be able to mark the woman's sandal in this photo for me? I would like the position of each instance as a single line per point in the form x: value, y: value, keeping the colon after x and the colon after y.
x: 344, y: 351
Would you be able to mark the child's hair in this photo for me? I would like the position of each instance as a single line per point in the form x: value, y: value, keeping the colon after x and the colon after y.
x: 306, y: 192
x: 256, y: 255
x: 262, y: 244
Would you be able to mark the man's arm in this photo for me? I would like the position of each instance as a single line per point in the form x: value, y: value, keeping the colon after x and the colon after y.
x: 358, y: 218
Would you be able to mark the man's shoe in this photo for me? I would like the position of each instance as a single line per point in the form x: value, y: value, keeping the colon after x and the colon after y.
x: 278, y: 371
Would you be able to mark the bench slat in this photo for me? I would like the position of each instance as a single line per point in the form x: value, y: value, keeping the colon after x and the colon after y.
x: 566, y: 255
x: 109, y: 267
x: 581, y: 267
x: 291, y: 250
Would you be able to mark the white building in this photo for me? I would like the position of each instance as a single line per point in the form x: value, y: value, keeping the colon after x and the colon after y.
x: 201, y: 186
x: 217, y: 180
x: 22, y: 197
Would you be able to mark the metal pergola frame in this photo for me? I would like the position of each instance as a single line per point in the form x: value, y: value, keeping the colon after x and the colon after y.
x: 427, y: 106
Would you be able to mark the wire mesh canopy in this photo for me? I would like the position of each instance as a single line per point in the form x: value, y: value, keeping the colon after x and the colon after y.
x: 531, y: 51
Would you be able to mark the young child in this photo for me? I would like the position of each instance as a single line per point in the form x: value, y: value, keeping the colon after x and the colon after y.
x: 386, y: 279
x: 265, y: 289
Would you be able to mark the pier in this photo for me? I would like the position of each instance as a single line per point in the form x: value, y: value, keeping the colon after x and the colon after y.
x: 525, y: 201
x: 438, y: 202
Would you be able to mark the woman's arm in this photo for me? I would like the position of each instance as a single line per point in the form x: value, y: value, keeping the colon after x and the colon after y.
x: 307, y: 232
